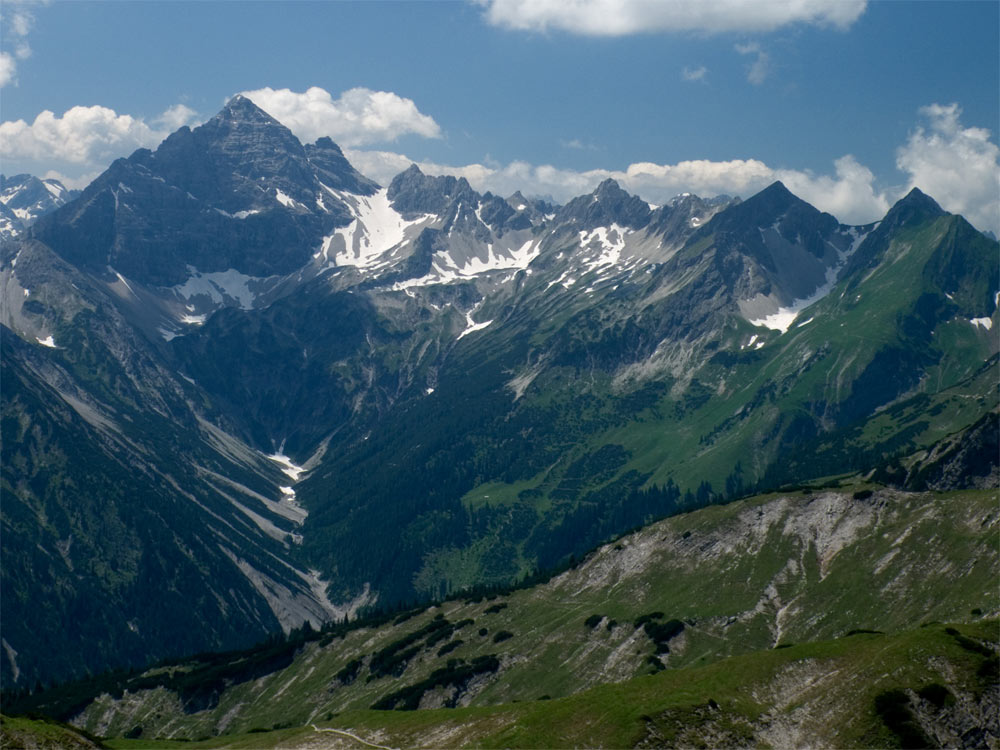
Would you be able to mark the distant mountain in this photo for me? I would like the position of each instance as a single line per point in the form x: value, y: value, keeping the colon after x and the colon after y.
x: 24, y: 198
x: 239, y: 372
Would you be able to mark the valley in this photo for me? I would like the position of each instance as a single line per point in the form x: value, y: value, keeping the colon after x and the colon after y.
x: 282, y: 445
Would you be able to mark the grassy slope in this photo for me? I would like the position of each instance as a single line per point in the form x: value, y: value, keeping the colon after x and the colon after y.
x: 744, y: 577
x: 42, y: 734
x: 834, y: 368
x: 818, y: 694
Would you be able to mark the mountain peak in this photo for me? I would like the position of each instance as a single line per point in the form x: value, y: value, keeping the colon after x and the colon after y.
x: 607, y: 205
x: 775, y: 196
x: 241, y: 109
x: 917, y: 198
x: 913, y: 208
x: 608, y: 187
x: 772, y: 204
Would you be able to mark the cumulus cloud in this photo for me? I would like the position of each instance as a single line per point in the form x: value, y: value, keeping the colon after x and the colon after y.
x: 85, y: 136
x: 176, y: 117
x: 694, y: 74
x: 621, y: 17
x: 849, y: 194
x: 16, y: 19
x: 358, y: 117
x: 958, y: 166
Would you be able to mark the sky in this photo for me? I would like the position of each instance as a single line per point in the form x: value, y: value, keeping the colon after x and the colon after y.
x: 849, y: 102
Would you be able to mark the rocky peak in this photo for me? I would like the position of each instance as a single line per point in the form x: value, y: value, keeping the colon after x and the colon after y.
x: 915, y: 207
x: 607, y: 205
x: 335, y: 170
x: 239, y: 192
x: 243, y: 135
x: 413, y: 192
x: 912, y: 210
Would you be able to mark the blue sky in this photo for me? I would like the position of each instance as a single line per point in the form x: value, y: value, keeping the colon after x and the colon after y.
x: 850, y: 103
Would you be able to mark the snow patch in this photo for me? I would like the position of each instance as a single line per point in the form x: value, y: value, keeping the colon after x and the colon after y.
x: 239, y: 214
x: 984, y: 322
x: 377, y: 228
x: 443, y: 270
x: 612, y: 248
x: 193, y: 320
x: 291, y: 470
x: 47, y: 341
x: 286, y: 200
x: 472, y: 326
x: 219, y: 286
x: 785, y: 316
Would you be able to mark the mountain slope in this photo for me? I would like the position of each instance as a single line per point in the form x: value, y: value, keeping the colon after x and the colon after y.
x: 712, y: 584
x: 133, y: 527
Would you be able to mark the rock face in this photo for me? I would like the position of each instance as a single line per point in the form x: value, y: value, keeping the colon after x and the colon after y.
x: 607, y: 205
x: 239, y: 192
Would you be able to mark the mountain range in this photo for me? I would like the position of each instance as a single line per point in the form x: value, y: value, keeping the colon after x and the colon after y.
x: 246, y: 388
x: 24, y: 198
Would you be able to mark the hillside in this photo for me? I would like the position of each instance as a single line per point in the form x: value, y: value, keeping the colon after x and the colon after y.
x: 742, y: 581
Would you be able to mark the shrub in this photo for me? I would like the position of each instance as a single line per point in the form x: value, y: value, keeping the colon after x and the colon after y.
x: 349, y: 673
x: 449, y: 647
x: 936, y: 694
x: 643, y: 619
x: 593, y: 621
x: 893, y: 707
x: 502, y: 635
x: 457, y: 674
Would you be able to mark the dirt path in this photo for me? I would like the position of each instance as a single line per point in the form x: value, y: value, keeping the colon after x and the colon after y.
x: 354, y: 737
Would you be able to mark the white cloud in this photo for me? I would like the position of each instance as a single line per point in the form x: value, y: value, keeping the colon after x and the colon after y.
x: 849, y: 194
x: 578, y: 145
x: 759, y: 69
x: 175, y: 117
x: 84, y: 136
x: 359, y: 117
x: 694, y: 74
x: 78, y: 182
x: 16, y: 20
x: 8, y: 69
x: 957, y: 166
x: 621, y: 17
